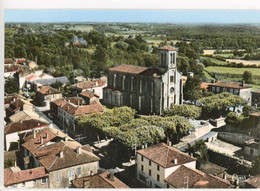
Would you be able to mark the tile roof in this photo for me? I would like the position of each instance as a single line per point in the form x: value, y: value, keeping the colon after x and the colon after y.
x: 24, y: 125
x: 24, y: 115
x: 12, y: 68
x: 229, y: 85
x: 76, y: 100
x: 48, y: 91
x: 8, y: 61
x: 101, y: 180
x: 256, y: 92
x: 165, y: 155
x: 59, y: 102
x: 195, y: 179
x: 204, y: 85
x: 49, y: 156
x: 84, y: 109
x: 14, y: 176
x: 84, y: 85
x: 88, y: 94
x: 169, y: 48
x: 132, y: 69
x: 254, y: 181
x: 47, y: 151
x: 257, y: 114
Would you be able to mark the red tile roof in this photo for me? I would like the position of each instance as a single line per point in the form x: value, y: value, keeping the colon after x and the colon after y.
x: 50, y: 159
x: 165, y: 155
x: 204, y: 85
x: 48, y: 91
x: 132, y: 69
x: 84, y: 85
x: 229, y: 85
x: 195, y: 179
x: 256, y: 92
x: 101, y: 180
x: 75, y: 100
x: 255, y: 114
x: 17, y: 176
x: 168, y: 48
x: 9, y: 61
x: 16, y: 105
x: 84, y: 109
x: 12, y: 68
x: 59, y: 102
x: 88, y: 94
x: 24, y: 125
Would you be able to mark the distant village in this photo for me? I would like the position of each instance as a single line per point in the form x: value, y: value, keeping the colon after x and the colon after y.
x: 46, y: 148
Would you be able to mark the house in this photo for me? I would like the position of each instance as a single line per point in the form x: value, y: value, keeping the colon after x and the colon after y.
x: 95, y: 86
x: 89, y: 97
x: 12, y: 131
x: 204, y: 85
x: 25, y: 115
x: 54, y: 105
x: 186, y: 177
x: 101, y: 180
x: 8, y: 61
x: 17, y: 104
x: 69, y: 112
x: 63, y: 158
x: 255, y: 98
x: 36, y: 84
x: 21, y: 76
x: 149, y: 90
x: 14, y: 177
x: 10, y: 70
x: 253, y: 182
x: 162, y: 166
x: 47, y: 94
x: 234, y: 88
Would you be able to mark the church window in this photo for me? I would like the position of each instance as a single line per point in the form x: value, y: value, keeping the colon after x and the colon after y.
x: 171, y: 59
x: 171, y: 79
x: 172, y: 89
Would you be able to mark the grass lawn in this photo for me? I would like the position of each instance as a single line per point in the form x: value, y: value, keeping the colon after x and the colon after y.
x: 213, y: 60
x: 220, y: 69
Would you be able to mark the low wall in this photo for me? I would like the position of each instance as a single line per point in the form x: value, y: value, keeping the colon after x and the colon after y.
x: 234, y: 138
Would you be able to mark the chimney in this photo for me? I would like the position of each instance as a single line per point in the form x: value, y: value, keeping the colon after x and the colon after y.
x: 38, y: 124
x: 169, y: 143
x: 87, y: 184
x: 191, y: 154
x: 41, y: 140
x: 34, y: 133
x: 142, y: 146
x: 111, y: 176
x: 243, y: 83
x: 145, y: 145
x: 225, y: 176
x: 61, y: 154
x: 78, y: 149
x: 66, y: 138
x: 46, y: 135
x: 175, y: 161
x: 15, y: 163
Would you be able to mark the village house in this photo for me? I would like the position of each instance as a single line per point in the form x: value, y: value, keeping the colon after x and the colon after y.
x: 47, y: 94
x: 89, y: 97
x: 36, y: 84
x: 21, y: 76
x: 101, y: 180
x: 162, y: 166
x: 14, y: 177
x: 10, y: 70
x: 149, y: 90
x: 25, y: 115
x: 17, y: 104
x: 252, y: 148
x: 95, y: 86
x: 62, y: 157
x: 234, y: 88
x: 54, y: 105
x: 12, y: 131
x: 69, y: 112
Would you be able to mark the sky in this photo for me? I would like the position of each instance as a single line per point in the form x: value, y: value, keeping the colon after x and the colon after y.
x: 144, y: 16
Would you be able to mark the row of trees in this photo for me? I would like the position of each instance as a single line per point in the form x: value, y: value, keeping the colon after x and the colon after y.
x: 121, y: 124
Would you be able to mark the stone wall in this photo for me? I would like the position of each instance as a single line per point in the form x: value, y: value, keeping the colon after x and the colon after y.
x: 234, y: 138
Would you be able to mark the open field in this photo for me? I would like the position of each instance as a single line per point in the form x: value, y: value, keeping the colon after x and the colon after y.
x: 231, y: 70
x: 213, y: 60
x: 245, y: 62
x: 211, y: 52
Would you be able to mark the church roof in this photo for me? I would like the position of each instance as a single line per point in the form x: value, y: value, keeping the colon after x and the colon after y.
x: 169, y: 48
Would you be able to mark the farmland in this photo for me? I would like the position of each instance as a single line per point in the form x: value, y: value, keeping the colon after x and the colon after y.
x: 245, y: 62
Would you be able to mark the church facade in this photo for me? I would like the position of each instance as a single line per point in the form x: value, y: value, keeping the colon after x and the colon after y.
x: 149, y: 90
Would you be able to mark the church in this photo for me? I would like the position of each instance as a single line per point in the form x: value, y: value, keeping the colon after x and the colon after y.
x: 149, y: 90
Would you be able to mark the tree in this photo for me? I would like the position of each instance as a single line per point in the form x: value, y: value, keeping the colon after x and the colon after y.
x: 192, y: 89
x: 256, y: 166
x: 248, y: 76
x: 189, y: 111
x: 9, y: 163
x: 199, y: 150
x: 233, y: 119
x: 246, y: 109
x: 11, y: 86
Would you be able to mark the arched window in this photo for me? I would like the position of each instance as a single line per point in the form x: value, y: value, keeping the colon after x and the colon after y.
x: 172, y: 90
x: 161, y: 58
x: 171, y: 59
x: 164, y: 58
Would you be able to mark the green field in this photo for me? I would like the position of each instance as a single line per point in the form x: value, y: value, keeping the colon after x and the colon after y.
x: 220, y: 69
x: 214, y: 60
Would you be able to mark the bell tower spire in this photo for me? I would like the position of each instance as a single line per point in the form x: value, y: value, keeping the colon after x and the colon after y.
x: 167, y: 57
